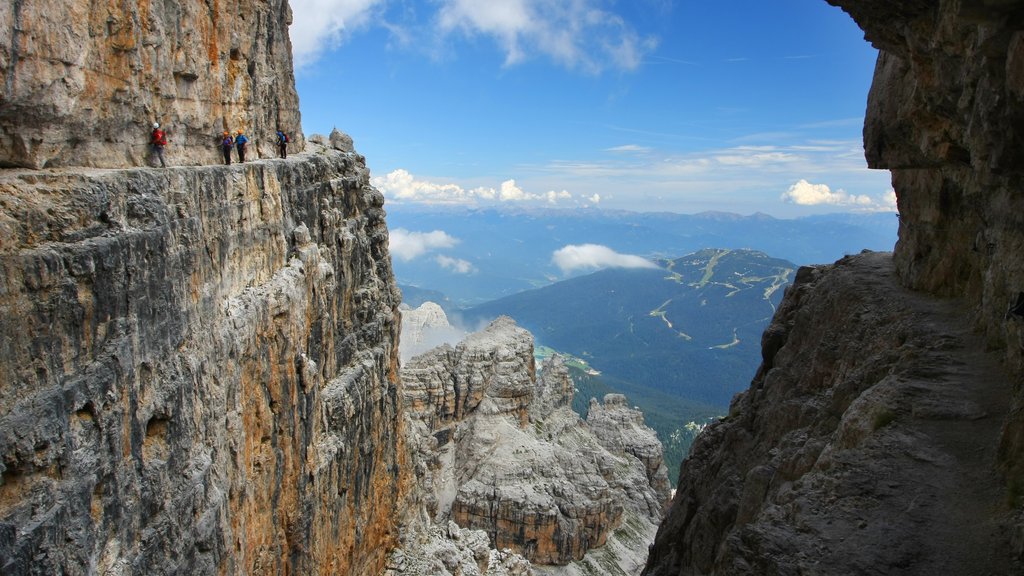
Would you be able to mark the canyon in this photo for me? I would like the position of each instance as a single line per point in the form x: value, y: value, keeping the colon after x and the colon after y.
x: 199, y: 366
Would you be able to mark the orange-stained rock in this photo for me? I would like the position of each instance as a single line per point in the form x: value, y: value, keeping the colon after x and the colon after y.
x: 199, y: 371
x: 84, y: 81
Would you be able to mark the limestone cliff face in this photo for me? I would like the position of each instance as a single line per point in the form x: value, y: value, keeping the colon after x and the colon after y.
x: 198, y: 370
x: 83, y: 81
x: 499, y: 449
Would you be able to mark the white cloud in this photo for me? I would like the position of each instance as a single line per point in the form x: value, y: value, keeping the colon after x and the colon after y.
x: 553, y: 197
x: 576, y: 34
x: 457, y: 265
x: 594, y: 256
x: 511, y: 192
x: 406, y: 245
x: 400, y: 185
x: 804, y: 193
x: 319, y: 25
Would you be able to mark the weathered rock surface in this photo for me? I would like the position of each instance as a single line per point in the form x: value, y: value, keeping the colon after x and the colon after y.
x: 499, y: 449
x: 946, y: 116
x: 424, y: 328
x: 866, y: 443
x: 870, y: 439
x: 83, y: 81
x: 198, y: 370
x: 452, y: 551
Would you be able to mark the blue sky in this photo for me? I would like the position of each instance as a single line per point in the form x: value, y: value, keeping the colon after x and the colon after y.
x: 648, y: 105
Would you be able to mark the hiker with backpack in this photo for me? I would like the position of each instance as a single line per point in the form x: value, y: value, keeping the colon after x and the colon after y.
x: 282, y: 144
x: 158, y: 139
x: 240, y: 142
x: 226, y: 144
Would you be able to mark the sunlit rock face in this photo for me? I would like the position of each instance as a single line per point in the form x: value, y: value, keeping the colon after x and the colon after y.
x: 199, y: 371
x: 84, y: 81
x: 499, y: 449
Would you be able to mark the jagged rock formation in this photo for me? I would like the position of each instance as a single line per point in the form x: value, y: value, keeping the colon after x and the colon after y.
x: 424, y: 328
x: 452, y: 551
x: 878, y: 436
x: 865, y: 444
x: 83, y: 81
x: 199, y: 371
x: 499, y: 449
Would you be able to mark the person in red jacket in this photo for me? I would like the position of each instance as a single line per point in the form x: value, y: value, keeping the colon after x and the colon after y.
x: 158, y: 139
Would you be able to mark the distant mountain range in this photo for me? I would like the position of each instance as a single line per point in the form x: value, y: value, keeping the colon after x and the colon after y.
x: 679, y: 340
x: 503, y: 252
x: 691, y: 327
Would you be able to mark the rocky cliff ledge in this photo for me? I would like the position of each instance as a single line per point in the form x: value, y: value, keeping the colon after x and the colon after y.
x: 198, y: 370
x: 865, y: 445
x: 946, y: 116
x: 84, y: 80
x: 498, y: 449
x: 874, y: 438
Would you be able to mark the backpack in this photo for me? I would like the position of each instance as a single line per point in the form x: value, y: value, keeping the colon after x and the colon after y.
x: 282, y: 137
x: 159, y: 138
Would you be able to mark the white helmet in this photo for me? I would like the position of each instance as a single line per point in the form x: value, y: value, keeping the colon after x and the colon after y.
x: 156, y: 124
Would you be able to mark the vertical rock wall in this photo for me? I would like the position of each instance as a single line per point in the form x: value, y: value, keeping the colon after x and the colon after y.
x: 870, y: 437
x: 198, y: 371
x: 946, y: 115
x: 84, y: 80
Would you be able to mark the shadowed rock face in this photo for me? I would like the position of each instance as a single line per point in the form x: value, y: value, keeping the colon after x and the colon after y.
x: 877, y: 420
x: 198, y: 371
x: 946, y: 115
x: 83, y: 81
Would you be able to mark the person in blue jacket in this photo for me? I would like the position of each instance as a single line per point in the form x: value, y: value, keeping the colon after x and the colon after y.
x: 240, y: 142
x: 282, y: 144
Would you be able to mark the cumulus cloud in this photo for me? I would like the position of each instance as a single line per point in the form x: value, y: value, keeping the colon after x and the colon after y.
x: 319, y: 25
x: 804, y: 193
x: 456, y: 265
x: 400, y: 185
x: 578, y: 34
x: 406, y: 245
x: 575, y: 257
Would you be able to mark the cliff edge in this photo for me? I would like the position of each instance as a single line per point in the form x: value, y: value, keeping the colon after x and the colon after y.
x: 884, y: 431
x: 198, y: 370
x: 866, y: 443
x: 84, y: 81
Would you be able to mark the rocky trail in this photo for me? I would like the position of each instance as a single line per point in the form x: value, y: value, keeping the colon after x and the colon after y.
x: 958, y: 396
x: 867, y: 445
x: 933, y: 501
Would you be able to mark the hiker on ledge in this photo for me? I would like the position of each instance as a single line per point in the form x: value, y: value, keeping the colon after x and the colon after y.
x: 282, y: 144
x: 226, y: 145
x: 159, y: 140
x: 240, y: 142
